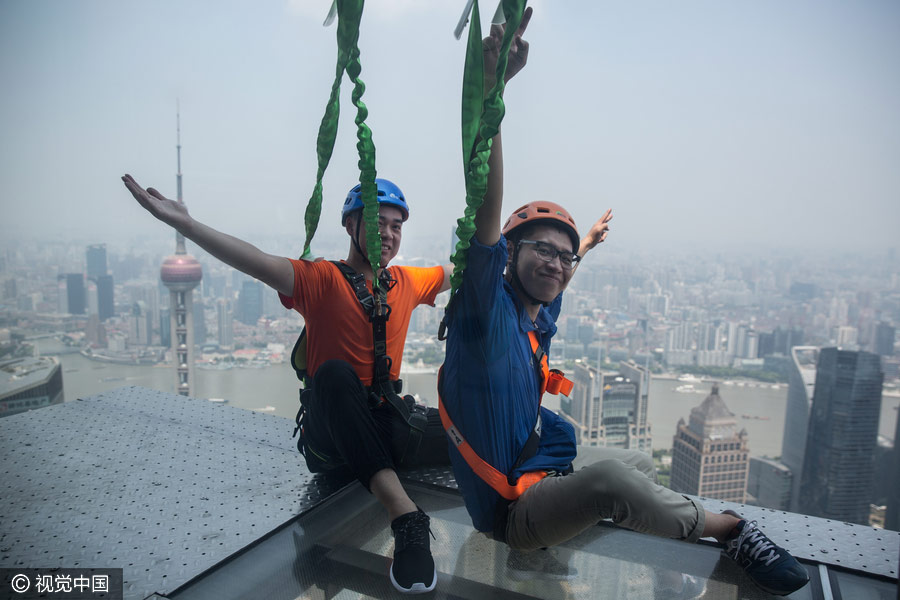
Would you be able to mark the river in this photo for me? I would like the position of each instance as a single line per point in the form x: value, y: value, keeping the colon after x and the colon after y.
x: 274, y: 390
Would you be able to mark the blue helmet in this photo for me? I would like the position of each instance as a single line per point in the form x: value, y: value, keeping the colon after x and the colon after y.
x: 388, y: 194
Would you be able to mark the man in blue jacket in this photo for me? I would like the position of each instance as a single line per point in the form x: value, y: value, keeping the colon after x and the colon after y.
x: 511, y: 457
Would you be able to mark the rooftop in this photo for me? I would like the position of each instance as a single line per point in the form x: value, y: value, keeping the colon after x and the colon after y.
x: 200, y: 500
x: 23, y: 373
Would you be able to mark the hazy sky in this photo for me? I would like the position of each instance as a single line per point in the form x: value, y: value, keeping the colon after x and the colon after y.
x: 706, y: 122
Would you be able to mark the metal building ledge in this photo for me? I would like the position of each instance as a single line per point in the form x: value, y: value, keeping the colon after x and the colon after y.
x: 184, y: 495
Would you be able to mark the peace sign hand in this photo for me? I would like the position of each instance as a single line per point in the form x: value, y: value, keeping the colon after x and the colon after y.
x: 518, y: 51
x: 597, y: 234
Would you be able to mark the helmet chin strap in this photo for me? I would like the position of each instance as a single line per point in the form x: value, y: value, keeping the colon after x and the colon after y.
x: 356, y: 246
x: 355, y: 240
x: 516, y: 282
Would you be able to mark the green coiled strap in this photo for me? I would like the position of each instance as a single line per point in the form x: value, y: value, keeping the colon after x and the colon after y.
x: 349, y: 16
x: 481, y: 118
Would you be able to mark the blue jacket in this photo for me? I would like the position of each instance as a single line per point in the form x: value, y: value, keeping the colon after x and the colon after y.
x: 490, y: 383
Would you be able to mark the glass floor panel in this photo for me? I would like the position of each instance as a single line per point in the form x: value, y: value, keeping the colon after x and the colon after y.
x: 341, y: 549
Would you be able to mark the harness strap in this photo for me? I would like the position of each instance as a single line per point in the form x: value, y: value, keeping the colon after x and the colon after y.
x: 349, y: 16
x: 481, y: 117
x: 382, y: 388
x: 378, y: 311
x: 553, y: 381
x: 487, y: 473
x: 507, y: 485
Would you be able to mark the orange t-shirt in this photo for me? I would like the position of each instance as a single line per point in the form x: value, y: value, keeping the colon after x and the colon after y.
x: 337, y: 327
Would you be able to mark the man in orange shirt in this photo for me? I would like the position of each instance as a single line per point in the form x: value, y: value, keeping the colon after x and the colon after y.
x: 341, y: 422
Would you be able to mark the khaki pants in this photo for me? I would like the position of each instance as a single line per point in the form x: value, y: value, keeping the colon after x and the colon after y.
x: 620, y: 485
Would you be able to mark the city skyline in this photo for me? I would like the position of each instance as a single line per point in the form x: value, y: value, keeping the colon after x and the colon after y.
x: 711, y: 126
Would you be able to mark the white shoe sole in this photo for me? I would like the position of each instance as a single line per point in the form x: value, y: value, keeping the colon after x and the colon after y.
x: 417, y: 588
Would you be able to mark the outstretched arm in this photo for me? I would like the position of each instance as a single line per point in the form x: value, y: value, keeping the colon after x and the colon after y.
x: 274, y: 271
x: 488, y: 217
x: 596, y: 235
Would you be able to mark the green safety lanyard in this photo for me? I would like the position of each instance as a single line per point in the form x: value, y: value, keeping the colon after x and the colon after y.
x: 349, y: 15
x: 481, y: 117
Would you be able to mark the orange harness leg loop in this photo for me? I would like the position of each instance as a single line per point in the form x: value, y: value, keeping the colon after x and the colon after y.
x: 552, y: 381
x: 484, y: 470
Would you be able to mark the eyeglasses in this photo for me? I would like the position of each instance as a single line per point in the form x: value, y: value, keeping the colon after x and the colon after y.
x: 546, y: 252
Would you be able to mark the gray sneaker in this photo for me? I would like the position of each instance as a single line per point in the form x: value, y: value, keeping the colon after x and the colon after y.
x: 770, y: 567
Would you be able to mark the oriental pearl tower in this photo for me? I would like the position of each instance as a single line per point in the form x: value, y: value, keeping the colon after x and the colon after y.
x: 181, y: 273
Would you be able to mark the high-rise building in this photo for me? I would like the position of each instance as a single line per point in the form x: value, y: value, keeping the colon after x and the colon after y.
x: 75, y: 294
x: 106, y: 305
x: 29, y: 383
x: 619, y: 415
x: 92, y: 302
x: 224, y: 322
x: 9, y: 289
x: 181, y: 273
x: 95, y: 332
x: 709, y: 455
x: 892, y: 514
x: 836, y: 481
x: 582, y: 409
x: 62, y: 300
x: 250, y: 300
x: 96, y: 260
x: 641, y: 435
x: 604, y: 410
x: 769, y: 483
x: 884, y: 339
x: 801, y: 382
x: 138, y: 325
x: 620, y: 397
x: 847, y: 336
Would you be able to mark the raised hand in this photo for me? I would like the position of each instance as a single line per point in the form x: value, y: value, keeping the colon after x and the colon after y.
x: 518, y: 51
x: 168, y: 211
x: 597, y: 233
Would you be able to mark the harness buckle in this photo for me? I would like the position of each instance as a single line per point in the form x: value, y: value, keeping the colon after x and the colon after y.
x: 557, y: 383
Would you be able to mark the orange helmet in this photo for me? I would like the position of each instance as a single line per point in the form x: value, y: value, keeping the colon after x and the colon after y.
x: 542, y: 210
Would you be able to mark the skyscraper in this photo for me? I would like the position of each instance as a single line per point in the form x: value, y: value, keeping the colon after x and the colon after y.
x: 892, y: 515
x: 604, y: 409
x: 250, y: 301
x: 709, y: 455
x: 582, y: 409
x: 105, y: 299
x: 181, y: 273
x: 138, y: 325
x: 641, y: 435
x: 75, y: 293
x: 769, y: 482
x: 884, y: 339
x: 836, y: 481
x: 801, y: 382
x: 95, y: 256
x: 224, y: 320
x: 96, y: 260
x: 620, y: 396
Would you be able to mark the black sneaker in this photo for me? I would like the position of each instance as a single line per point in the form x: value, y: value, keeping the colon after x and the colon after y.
x: 537, y: 564
x: 771, y: 567
x: 412, y: 571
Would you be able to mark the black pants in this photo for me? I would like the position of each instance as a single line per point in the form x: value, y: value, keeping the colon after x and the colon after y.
x: 341, y: 426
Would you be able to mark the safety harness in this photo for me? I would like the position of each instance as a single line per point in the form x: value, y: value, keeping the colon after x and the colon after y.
x: 383, y: 390
x: 510, y: 488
